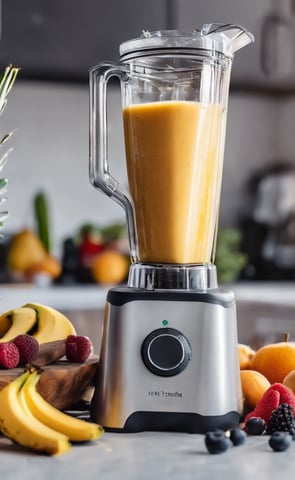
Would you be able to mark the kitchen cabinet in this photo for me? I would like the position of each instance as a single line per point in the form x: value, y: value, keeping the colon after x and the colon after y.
x: 60, y: 39
x: 277, y: 43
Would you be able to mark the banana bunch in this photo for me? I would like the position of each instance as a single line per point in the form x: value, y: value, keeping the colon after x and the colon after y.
x: 44, y: 323
x: 30, y: 421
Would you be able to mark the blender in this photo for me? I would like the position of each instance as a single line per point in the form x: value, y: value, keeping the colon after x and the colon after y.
x: 168, y: 359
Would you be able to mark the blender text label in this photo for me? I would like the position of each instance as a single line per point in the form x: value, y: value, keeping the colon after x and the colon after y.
x: 164, y: 393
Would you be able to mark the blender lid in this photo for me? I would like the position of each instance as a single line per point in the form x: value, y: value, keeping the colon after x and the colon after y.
x: 214, y: 37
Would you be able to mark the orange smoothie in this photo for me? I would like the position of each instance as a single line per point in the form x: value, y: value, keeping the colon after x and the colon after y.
x: 174, y: 154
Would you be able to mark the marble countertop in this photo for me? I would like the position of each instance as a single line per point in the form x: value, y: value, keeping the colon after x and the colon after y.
x: 279, y: 293
x: 76, y: 297
x: 149, y: 456
x: 146, y: 455
x: 92, y: 297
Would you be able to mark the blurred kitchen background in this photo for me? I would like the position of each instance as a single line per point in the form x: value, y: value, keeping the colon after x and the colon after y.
x: 55, y: 42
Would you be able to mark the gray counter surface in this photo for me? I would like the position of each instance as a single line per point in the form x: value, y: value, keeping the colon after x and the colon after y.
x: 149, y: 456
x: 92, y: 297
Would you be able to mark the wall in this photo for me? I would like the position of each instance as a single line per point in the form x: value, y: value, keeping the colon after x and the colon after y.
x: 287, y: 127
x: 51, y: 153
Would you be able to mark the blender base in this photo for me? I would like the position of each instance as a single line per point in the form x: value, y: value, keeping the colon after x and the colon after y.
x: 168, y: 362
x: 176, y: 422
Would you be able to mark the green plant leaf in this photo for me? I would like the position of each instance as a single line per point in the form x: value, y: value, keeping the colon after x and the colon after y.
x: 7, y: 80
x: 230, y: 260
x: 3, y: 183
x: 6, y: 83
x: 4, y: 158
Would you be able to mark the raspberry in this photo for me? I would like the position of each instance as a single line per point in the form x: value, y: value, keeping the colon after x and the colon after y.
x: 78, y: 348
x: 274, y: 396
x: 282, y: 420
x: 269, y: 401
x: 286, y: 394
x: 9, y: 355
x: 28, y: 348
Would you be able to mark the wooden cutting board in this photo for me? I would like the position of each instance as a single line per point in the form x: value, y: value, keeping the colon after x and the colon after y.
x: 62, y: 383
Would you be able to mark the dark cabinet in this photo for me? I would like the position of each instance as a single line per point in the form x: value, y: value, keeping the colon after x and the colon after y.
x: 62, y: 39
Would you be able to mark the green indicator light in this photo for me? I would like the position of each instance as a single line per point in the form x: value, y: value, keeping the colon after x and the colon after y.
x: 164, y: 323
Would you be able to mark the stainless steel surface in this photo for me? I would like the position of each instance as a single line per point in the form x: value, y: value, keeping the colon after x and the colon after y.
x: 209, y: 385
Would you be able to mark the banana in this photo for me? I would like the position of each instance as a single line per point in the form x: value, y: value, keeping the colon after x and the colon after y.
x: 21, y: 320
x: 76, y: 429
x: 18, y: 423
x: 51, y: 324
x: 5, y: 324
x: 45, y: 323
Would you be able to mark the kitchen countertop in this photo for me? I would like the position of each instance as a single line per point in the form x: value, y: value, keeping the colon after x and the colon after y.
x: 74, y: 297
x: 149, y: 456
x: 92, y: 297
x: 146, y: 455
x: 279, y: 293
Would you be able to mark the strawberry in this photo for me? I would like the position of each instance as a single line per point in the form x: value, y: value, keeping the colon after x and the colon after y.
x: 78, y: 348
x: 28, y: 347
x: 286, y: 394
x: 9, y: 355
x: 274, y: 396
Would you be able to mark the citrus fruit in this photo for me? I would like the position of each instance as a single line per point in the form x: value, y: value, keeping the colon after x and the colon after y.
x: 274, y: 360
x: 49, y: 264
x: 246, y: 353
x: 254, y: 384
x: 289, y: 380
x: 110, y: 267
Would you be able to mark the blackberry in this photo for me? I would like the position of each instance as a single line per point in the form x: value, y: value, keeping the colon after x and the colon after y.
x: 282, y: 420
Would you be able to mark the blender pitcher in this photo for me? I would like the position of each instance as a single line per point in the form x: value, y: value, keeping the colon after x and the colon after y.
x: 171, y: 316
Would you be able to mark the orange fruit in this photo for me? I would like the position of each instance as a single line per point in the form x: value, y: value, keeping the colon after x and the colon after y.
x: 289, y: 380
x: 254, y: 384
x: 49, y: 264
x: 275, y: 360
x: 246, y: 353
x: 110, y: 267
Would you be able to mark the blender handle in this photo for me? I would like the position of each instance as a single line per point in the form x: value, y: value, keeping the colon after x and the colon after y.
x: 99, y: 173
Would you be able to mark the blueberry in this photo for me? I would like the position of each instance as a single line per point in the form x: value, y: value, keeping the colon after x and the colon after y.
x: 217, y: 442
x: 237, y: 436
x: 255, y: 426
x: 280, y: 441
